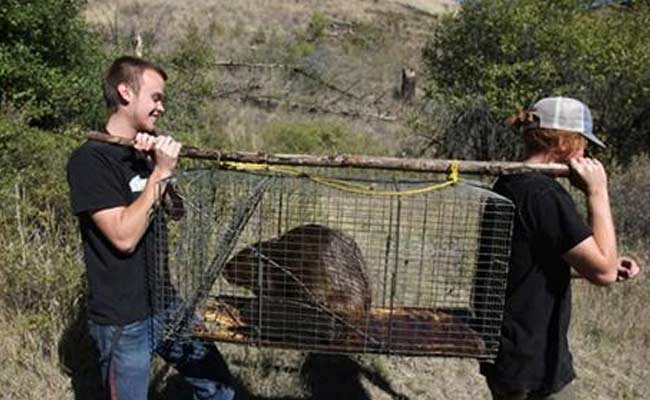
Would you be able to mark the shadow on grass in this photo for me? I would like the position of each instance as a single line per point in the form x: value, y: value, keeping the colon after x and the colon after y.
x: 325, y: 376
x: 339, y: 377
x: 79, y: 358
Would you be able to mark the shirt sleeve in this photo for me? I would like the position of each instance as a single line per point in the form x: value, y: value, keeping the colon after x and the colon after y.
x: 94, y: 182
x: 558, y: 222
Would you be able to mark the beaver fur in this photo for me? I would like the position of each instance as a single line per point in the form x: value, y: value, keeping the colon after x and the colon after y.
x: 314, y: 264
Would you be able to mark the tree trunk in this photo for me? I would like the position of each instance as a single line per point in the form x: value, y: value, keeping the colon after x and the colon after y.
x: 407, y: 90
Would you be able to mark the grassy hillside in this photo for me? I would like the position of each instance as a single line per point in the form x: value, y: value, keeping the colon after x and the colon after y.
x: 334, y: 61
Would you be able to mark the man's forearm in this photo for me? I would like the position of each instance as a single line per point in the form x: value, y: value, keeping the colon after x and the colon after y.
x: 602, y: 223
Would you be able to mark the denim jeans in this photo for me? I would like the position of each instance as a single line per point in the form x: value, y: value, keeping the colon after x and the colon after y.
x: 125, y: 362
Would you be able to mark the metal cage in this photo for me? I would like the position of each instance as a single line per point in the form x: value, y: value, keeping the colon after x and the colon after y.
x: 279, y: 260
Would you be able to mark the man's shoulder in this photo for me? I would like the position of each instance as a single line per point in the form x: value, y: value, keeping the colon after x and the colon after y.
x: 532, y: 183
x: 536, y: 192
x: 93, y: 150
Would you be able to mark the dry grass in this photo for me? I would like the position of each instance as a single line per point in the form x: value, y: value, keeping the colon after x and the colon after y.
x: 237, y: 23
x: 611, y: 337
x: 30, y: 367
x: 361, y: 50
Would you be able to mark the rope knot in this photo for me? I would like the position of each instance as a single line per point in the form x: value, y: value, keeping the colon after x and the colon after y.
x: 454, y: 171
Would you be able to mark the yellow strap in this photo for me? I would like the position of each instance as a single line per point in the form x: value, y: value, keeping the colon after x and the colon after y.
x: 454, y: 174
x: 339, y: 184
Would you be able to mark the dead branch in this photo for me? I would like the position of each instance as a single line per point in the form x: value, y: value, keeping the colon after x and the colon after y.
x: 237, y: 64
x: 292, y: 67
x: 251, y: 87
x: 271, y: 103
x: 322, y: 82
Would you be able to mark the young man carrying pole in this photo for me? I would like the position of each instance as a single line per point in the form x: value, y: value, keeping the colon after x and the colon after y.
x: 549, y: 239
x: 113, y: 191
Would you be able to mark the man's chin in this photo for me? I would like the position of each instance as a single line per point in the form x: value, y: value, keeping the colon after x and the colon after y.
x: 150, y: 129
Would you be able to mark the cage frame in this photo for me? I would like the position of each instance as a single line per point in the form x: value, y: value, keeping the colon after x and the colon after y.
x: 416, y: 316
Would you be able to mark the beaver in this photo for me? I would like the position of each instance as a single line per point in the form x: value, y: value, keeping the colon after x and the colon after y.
x: 312, y: 264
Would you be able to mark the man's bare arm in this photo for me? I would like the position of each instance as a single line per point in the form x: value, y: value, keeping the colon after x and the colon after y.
x: 124, y: 226
x: 596, y: 257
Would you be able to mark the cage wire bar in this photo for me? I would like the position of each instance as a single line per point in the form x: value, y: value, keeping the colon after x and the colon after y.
x: 267, y: 259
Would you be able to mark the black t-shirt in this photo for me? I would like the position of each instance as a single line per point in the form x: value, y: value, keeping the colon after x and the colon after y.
x: 101, y: 176
x: 534, y: 352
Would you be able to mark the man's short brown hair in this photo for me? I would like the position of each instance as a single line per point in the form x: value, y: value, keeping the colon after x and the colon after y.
x: 127, y: 70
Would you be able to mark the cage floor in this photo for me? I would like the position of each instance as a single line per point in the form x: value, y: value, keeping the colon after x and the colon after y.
x: 290, y: 324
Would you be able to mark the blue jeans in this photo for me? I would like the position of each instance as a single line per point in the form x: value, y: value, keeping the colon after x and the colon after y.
x: 125, y: 362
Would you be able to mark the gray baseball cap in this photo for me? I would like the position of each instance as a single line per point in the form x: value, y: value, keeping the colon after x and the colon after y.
x: 567, y: 114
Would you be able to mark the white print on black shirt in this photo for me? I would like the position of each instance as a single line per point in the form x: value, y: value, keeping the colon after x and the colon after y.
x: 137, y: 183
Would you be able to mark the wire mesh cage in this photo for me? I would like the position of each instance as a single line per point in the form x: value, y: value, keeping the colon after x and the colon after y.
x: 285, y: 261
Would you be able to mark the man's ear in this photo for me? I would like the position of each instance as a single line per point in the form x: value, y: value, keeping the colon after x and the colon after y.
x: 126, y: 93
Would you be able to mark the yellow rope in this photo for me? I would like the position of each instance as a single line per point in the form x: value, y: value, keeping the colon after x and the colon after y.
x: 339, y: 184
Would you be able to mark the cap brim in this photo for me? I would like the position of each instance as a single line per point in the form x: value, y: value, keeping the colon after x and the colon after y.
x: 593, y: 139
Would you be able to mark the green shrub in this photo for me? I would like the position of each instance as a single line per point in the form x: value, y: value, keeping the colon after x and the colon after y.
x: 314, y: 137
x: 49, y: 62
x: 33, y: 170
x: 299, y: 49
x: 317, y: 27
x: 511, y: 53
x: 307, y: 40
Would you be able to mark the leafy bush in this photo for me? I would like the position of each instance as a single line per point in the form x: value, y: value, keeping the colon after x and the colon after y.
x: 33, y: 164
x: 49, y: 62
x: 317, y: 27
x: 511, y: 53
x: 314, y: 137
x: 308, y: 40
x: 49, y: 73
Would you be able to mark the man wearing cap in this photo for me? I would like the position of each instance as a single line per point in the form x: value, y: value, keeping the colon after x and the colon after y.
x: 550, y: 238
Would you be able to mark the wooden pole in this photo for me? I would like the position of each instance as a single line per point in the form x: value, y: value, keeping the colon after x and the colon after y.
x: 357, y: 161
